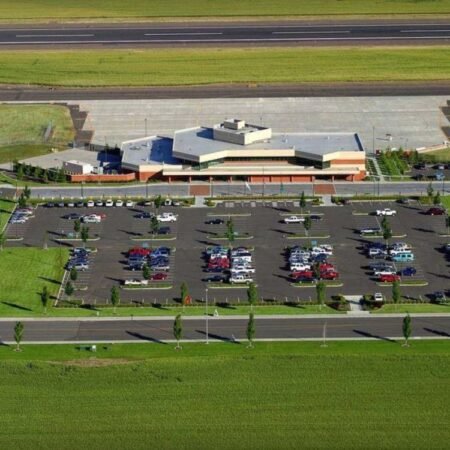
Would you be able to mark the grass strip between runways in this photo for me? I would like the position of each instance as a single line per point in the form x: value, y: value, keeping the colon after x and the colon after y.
x: 172, y: 67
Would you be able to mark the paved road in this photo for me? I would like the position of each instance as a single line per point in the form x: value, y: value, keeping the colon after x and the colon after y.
x: 224, y: 329
x: 30, y: 94
x: 224, y: 189
x: 219, y: 34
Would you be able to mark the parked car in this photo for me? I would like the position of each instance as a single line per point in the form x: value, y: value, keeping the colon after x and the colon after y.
x: 139, y: 251
x: 439, y: 176
x: 386, y: 212
x: 119, y: 203
x: 403, y: 257
x: 159, y: 276
x: 315, y: 217
x: 369, y: 231
x: 144, y: 215
x: 214, y: 222
x: 420, y: 166
x: 93, y: 218
x: 167, y: 217
x: 329, y: 275
x: 164, y: 230
x: 408, y: 271
x: 240, y: 279
x: 98, y: 203
x: 435, y: 211
x: 129, y: 204
x: 215, y: 279
x: 109, y: 203
x: 294, y: 219
x: 389, y: 278
x: 378, y: 297
x: 90, y: 204
x: 72, y: 216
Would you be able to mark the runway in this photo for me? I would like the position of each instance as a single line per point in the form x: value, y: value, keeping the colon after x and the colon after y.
x: 223, y: 329
x: 224, y: 34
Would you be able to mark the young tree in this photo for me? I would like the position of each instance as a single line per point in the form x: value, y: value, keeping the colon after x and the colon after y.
x: 316, y: 270
x: 230, y: 233
x: 2, y: 240
x: 27, y: 192
x: 251, y: 329
x: 154, y: 225
x: 69, y: 289
x: 183, y: 293
x: 115, y: 298
x: 430, y: 192
x: 73, y: 274
x: 307, y: 224
x: 321, y: 292
x: 22, y: 201
x: 44, y: 176
x: 146, y: 271
x: 84, y: 235
x: 252, y: 295
x: 437, y: 199
x: 76, y: 227
x: 18, y: 334
x: 387, y: 234
x: 45, y: 298
x: 302, y: 201
x: 158, y: 202
x: 396, y: 293
x: 406, y: 328
x: 20, y: 171
x: 178, y: 330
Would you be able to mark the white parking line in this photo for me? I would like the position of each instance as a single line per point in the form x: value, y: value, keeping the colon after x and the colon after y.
x: 52, y: 35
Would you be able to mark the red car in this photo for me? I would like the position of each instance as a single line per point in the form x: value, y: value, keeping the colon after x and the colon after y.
x: 302, y: 274
x: 159, y: 276
x: 139, y: 251
x: 223, y: 264
x: 329, y: 275
x: 435, y: 212
x: 326, y: 266
x: 390, y: 278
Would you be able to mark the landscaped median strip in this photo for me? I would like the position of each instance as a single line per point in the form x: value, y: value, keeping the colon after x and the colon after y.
x: 418, y: 283
x: 310, y: 284
x: 301, y: 236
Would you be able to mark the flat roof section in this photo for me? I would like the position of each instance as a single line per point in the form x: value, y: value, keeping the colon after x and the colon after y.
x: 195, y: 143
x: 149, y: 150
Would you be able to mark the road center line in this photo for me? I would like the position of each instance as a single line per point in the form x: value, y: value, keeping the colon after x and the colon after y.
x: 424, y: 31
x: 311, y: 32
x: 52, y: 35
x: 181, y: 34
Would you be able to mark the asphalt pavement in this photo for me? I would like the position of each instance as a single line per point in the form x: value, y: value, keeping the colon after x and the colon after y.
x: 227, y: 33
x: 229, y: 189
x: 224, y: 329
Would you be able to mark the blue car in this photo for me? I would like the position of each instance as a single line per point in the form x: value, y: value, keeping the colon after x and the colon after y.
x: 408, y: 271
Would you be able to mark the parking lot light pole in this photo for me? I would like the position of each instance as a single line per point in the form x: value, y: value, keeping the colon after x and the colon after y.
x: 207, y: 331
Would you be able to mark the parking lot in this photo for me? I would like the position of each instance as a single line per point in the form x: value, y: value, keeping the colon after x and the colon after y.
x: 258, y: 226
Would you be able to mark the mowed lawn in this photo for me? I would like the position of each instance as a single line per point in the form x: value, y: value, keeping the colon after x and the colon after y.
x: 155, y: 67
x: 27, y: 124
x: 278, y: 395
x: 23, y: 274
x: 6, y: 207
x: 122, y: 9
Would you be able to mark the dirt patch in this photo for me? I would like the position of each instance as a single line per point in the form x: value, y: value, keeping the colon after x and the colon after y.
x: 95, y: 362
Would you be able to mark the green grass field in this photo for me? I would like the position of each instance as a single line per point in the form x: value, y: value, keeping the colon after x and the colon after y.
x: 6, y: 208
x: 23, y: 273
x: 9, y: 153
x: 441, y: 155
x: 154, y: 9
x: 154, y: 67
x: 276, y: 395
x: 26, y: 124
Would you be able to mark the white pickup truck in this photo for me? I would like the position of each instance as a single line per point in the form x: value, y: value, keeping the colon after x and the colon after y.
x: 240, y: 279
x: 386, y: 212
x: 294, y: 219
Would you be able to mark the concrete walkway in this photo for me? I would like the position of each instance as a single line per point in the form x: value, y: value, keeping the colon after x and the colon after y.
x: 355, y: 305
x: 199, y: 202
x: 326, y: 200
x: 378, y: 169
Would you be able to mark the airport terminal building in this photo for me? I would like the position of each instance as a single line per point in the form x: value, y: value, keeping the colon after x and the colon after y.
x: 236, y: 150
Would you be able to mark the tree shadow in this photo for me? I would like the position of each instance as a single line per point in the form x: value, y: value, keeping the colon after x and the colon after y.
x: 145, y: 338
x: 50, y: 280
x: 231, y: 340
x: 14, y: 305
x: 374, y: 336
x: 437, y: 332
